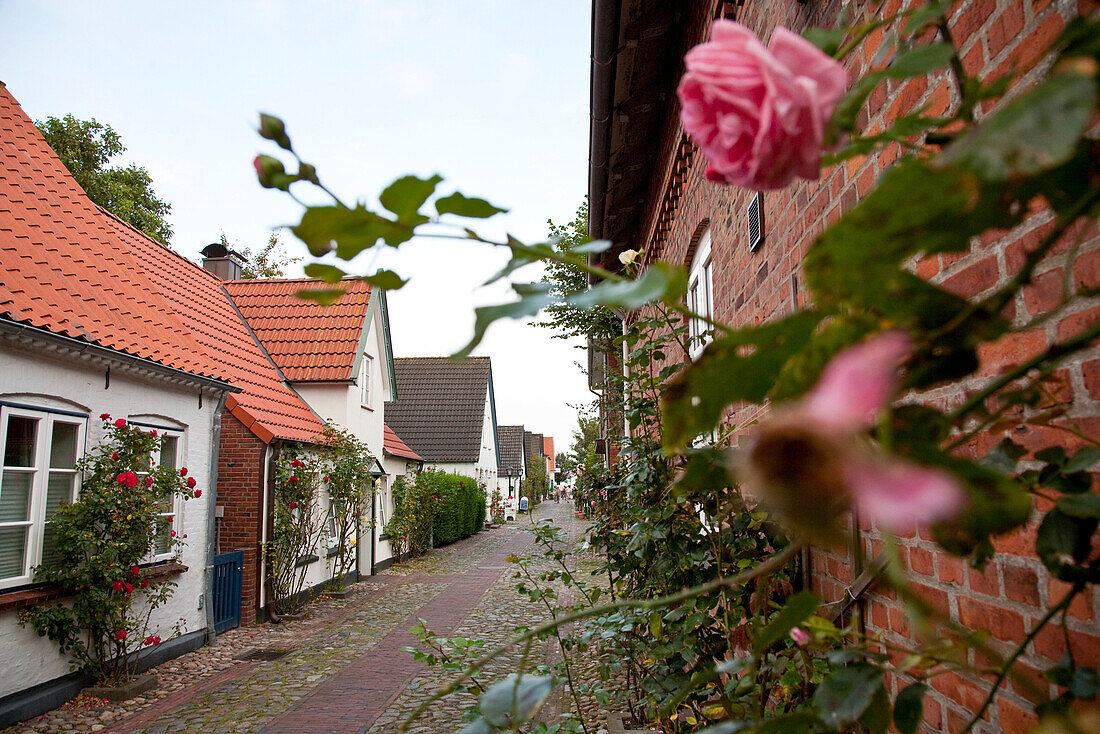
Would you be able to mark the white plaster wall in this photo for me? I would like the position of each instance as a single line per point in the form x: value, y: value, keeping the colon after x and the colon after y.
x: 77, y: 385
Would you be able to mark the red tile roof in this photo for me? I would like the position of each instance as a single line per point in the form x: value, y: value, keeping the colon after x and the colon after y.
x: 73, y: 269
x: 307, y: 340
x: 394, y: 446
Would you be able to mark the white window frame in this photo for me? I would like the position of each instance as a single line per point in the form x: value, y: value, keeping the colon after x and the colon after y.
x: 364, y: 380
x: 700, y: 296
x: 175, y: 510
x: 36, y: 518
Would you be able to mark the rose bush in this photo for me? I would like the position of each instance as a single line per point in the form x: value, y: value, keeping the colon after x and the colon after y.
x: 100, y: 542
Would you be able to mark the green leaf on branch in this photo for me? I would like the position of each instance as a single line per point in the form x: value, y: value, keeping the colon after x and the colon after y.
x: 353, y: 230
x: 1086, y: 506
x: 741, y: 366
x: 842, y: 697
x: 659, y: 282
x: 794, y: 612
x: 923, y: 15
x: 920, y: 60
x: 1082, y: 460
x: 915, y: 209
x: 325, y: 297
x: 327, y: 273
x: 510, y: 702
x: 387, y: 280
x: 826, y: 39
x: 1064, y: 540
x: 464, y: 206
x: 1035, y: 132
x: 484, y: 316
x: 478, y: 727
x: 909, y: 708
x: 406, y: 195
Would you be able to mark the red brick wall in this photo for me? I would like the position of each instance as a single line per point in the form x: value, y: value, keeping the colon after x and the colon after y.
x: 240, y: 492
x: 751, y: 287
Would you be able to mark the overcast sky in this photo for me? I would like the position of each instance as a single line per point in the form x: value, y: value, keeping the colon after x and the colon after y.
x: 490, y: 94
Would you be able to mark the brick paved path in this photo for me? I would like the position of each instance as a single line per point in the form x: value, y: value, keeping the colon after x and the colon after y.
x: 351, y: 675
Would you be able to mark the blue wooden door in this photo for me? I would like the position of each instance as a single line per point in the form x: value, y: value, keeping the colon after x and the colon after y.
x: 228, y: 570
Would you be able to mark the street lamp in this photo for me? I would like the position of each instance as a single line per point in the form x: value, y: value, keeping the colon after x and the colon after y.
x: 511, y: 473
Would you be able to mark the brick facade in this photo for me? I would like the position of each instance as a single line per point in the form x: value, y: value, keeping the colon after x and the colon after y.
x: 240, y: 491
x: 1014, y: 590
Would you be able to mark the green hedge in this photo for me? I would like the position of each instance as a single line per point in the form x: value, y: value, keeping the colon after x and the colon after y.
x: 462, y: 510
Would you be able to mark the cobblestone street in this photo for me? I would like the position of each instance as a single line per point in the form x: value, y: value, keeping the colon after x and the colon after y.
x: 347, y: 671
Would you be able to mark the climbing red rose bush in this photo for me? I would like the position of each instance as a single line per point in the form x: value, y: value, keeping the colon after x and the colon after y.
x: 119, y: 522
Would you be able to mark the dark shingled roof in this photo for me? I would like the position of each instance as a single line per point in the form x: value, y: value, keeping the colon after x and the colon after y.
x: 510, y: 439
x: 440, y: 406
x: 532, y: 445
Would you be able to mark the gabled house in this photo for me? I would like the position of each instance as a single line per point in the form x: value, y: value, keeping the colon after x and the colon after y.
x: 95, y: 317
x: 513, y: 467
x: 446, y: 412
x: 339, y: 360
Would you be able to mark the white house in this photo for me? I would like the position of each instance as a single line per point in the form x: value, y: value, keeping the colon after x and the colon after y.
x: 446, y: 412
x: 339, y: 360
x: 86, y: 329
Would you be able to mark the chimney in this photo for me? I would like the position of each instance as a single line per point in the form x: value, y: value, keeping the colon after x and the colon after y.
x: 222, y: 262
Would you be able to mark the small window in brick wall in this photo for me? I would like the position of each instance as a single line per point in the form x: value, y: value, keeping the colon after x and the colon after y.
x: 700, y: 296
x: 756, y: 222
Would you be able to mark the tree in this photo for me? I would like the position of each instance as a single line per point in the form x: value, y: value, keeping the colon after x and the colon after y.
x: 270, y: 261
x: 599, y: 323
x: 86, y: 147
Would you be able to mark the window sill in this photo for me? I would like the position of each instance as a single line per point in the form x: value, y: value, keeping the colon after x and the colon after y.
x: 306, y: 560
x: 21, y: 598
x: 367, y: 407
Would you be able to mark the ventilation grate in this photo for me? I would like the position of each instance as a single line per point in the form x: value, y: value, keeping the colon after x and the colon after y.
x: 756, y: 222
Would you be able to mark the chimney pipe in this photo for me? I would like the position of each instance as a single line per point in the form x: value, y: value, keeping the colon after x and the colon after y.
x: 226, y: 264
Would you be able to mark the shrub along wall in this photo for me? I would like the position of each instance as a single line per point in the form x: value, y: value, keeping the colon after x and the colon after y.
x: 461, y: 511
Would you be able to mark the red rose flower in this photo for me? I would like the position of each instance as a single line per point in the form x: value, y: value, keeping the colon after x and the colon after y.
x: 185, y: 535
x: 120, y: 635
x: 173, y: 533
x: 127, y: 479
x: 135, y: 570
x: 120, y: 423
x: 118, y: 586
x: 296, y: 463
x: 191, y: 482
x: 183, y: 472
x: 326, y: 480
x: 144, y: 583
x: 198, y: 493
x: 129, y: 588
x: 149, y: 640
x: 153, y: 432
x: 293, y: 480
x: 148, y: 481
x: 105, y: 416
x: 292, y: 505
x: 114, y: 456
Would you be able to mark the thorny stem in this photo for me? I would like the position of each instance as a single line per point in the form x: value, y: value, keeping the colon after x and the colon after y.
x: 561, y: 646
x: 1007, y: 666
x: 1054, y: 354
x: 774, y: 563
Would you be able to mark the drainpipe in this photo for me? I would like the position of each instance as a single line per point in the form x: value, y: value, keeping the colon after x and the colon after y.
x: 373, y: 514
x: 269, y: 513
x: 212, y: 519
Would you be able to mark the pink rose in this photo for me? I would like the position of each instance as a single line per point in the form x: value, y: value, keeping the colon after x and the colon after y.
x: 759, y: 114
x: 799, y: 636
x: 810, y: 461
